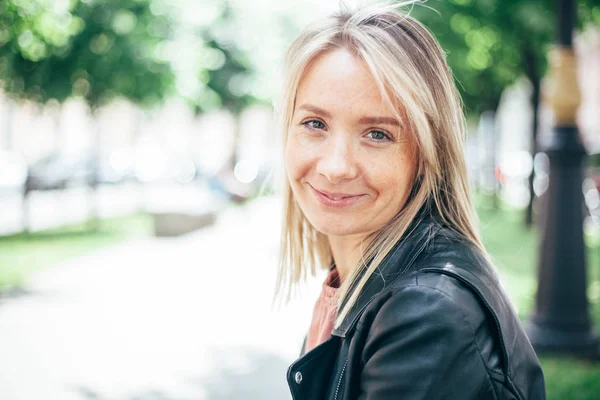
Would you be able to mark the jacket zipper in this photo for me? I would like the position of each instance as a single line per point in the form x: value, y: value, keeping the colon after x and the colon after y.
x: 337, y: 389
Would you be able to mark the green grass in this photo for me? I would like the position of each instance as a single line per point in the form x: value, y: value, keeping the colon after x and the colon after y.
x: 23, y: 254
x: 514, y: 251
x: 571, y: 379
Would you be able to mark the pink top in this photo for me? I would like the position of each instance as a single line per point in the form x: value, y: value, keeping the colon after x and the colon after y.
x: 324, y: 313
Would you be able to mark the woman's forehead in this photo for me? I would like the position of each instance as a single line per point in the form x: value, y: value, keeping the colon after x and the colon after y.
x: 338, y: 81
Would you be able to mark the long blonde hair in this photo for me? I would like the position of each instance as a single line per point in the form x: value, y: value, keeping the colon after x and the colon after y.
x: 413, y: 77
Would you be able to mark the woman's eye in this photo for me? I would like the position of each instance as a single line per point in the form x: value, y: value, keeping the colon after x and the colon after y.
x: 314, y: 124
x: 379, y: 136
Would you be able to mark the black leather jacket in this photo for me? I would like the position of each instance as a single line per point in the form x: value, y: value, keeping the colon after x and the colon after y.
x: 435, y: 324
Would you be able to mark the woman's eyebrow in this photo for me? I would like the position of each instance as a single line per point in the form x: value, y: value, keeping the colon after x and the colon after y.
x: 379, y: 120
x: 315, y: 109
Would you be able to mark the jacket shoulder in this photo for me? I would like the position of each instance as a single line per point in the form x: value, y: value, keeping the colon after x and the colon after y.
x: 455, y: 270
x: 434, y: 298
x: 422, y: 335
x: 443, y: 300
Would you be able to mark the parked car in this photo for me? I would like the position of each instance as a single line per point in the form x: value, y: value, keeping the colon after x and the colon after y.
x: 60, y: 170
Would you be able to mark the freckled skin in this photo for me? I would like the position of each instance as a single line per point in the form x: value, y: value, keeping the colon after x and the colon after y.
x: 340, y: 155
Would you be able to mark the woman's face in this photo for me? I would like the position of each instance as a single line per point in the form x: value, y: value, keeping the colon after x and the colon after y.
x: 349, y: 164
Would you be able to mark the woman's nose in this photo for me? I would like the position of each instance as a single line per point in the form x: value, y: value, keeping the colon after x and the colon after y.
x: 338, y: 161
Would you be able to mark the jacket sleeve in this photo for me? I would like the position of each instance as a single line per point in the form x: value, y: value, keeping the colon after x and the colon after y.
x: 420, y: 345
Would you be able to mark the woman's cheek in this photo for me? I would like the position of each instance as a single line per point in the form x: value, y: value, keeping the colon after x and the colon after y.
x: 296, y: 158
x: 302, y: 151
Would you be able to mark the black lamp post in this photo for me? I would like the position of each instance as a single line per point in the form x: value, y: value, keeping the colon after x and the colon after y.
x: 561, y: 322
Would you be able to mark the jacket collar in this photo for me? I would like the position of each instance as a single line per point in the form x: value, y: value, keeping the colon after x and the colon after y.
x: 399, y: 260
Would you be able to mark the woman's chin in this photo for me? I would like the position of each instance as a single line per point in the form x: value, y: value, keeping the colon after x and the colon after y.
x: 333, y: 229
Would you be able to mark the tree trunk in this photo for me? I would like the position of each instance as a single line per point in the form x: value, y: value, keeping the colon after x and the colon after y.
x: 60, y: 142
x: 531, y: 71
x: 237, y: 128
x: 94, y: 221
x: 493, y: 151
x: 8, y: 123
x: 487, y: 136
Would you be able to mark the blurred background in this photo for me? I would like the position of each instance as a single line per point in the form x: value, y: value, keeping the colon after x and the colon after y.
x: 138, y: 227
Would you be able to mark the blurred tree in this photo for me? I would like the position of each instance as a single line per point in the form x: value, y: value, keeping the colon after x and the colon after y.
x: 491, y: 43
x: 226, y: 72
x: 94, y: 49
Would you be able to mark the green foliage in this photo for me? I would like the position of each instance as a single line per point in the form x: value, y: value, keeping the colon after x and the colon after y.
x: 94, y: 49
x: 490, y: 43
x: 225, y: 69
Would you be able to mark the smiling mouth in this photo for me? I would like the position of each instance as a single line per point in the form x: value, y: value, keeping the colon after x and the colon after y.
x: 335, y: 199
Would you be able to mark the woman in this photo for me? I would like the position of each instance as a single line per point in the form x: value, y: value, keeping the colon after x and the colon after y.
x: 377, y: 192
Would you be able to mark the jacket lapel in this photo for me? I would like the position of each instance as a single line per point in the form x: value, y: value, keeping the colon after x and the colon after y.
x: 309, y: 376
x: 399, y: 260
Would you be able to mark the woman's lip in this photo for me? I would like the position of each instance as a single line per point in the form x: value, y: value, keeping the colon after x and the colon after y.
x: 327, y: 199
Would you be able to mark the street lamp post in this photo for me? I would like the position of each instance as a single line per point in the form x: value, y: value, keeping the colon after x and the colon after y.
x: 561, y: 322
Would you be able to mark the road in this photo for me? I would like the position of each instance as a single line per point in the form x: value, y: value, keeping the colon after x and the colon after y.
x: 170, y: 319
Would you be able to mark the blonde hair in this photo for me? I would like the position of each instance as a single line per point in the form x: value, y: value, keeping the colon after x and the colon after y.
x: 411, y: 72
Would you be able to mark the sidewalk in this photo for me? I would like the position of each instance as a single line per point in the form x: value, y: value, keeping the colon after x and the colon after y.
x: 169, y: 319
x: 56, y: 208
